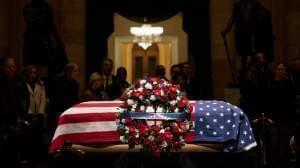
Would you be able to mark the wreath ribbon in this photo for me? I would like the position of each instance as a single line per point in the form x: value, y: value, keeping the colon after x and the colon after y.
x: 156, y: 116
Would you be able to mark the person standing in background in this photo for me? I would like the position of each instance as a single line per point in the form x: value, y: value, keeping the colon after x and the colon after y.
x: 11, y: 113
x: 95, y: 90
x: 111, y: 85
x: 121, y: 78
x: 34, y: 103
x: 64, y: 93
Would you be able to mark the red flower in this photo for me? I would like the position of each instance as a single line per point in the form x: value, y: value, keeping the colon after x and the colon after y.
x: 164, y: 99
x: 172, y: 95
x: 143, y: 130
x: 137, y: 109
x: 172, y: 108
x: 177, y: 130
x: 131, y: 129
x: 154, y: 79
x: 141, y: 124
x: 128, y: 120
x: 173, y: 88
x: 156, y: 92
x: 132, y: 141
x: 160, y: 138
x: 155, y: 128
x: 137, y: 84
x: 147, y: 142
x: 182, y: 103
x: 168, y: 134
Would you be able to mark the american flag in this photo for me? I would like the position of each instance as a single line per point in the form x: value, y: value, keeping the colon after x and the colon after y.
x: 94, y: 122
x: 219, y: 121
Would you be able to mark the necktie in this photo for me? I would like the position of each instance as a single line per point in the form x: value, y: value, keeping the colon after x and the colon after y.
x: 106, y: 81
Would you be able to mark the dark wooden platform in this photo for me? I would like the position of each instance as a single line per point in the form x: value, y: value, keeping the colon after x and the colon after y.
x: 118, y: 156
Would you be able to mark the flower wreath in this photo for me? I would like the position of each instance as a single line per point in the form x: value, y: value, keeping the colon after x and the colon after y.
x: 154, y: 115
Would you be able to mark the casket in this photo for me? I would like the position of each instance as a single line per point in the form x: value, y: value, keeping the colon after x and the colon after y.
x: 88, y: 130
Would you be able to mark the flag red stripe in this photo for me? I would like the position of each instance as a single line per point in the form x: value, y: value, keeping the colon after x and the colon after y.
x: 89, y: 117
x: 86, y: 138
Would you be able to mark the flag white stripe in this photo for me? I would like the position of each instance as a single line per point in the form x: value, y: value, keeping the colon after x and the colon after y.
x: 85, y: 127
x: 76, y: 110
x: 100, y: 102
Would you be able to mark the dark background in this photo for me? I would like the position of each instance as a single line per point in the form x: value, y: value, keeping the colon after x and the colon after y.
x: 99, y: 26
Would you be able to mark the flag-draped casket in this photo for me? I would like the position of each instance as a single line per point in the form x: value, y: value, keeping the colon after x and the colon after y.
x: 94, y: 123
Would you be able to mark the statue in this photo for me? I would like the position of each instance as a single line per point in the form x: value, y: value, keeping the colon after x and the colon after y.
x: 253, y: 30
x: 42, y: 44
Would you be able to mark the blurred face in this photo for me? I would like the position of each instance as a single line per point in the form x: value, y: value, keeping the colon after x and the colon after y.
x: 280, y: 72
x: 75, y: 72
x: 107, y: 67
x: 32, y: 74
x: 175, y: 71
x: 186, y: 69
x: 9, y: 68
x: 97, y: 83
x: 122, y: 74
x: 260, y: 58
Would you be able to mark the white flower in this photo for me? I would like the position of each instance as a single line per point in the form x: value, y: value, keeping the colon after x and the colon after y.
x: 123, y: 120
x: 137, y: 136
x: 141, y: 97
x: 152, y: 98
x: 151, y: 138
x: 176, y: 110
x: 143, y: 81
x: 173, y: 102
x: 122, y: 139
x: 140, y: 89
x: 162, y: 131
x: 148, y: 86
x: 142, y: 108
x: 134, y: 105
x: 155, y: 83
x: 160, y: 110
x: 147, y: 101
x: 164, y: 144
x: 174, y: 124
x: 130, y: 102
x: 129, y: 92
x: 150, y: 109
x: 162, y: 93
x: 187, y: 125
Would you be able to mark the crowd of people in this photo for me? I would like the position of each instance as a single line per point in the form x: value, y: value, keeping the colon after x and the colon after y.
x: 270, y: 96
